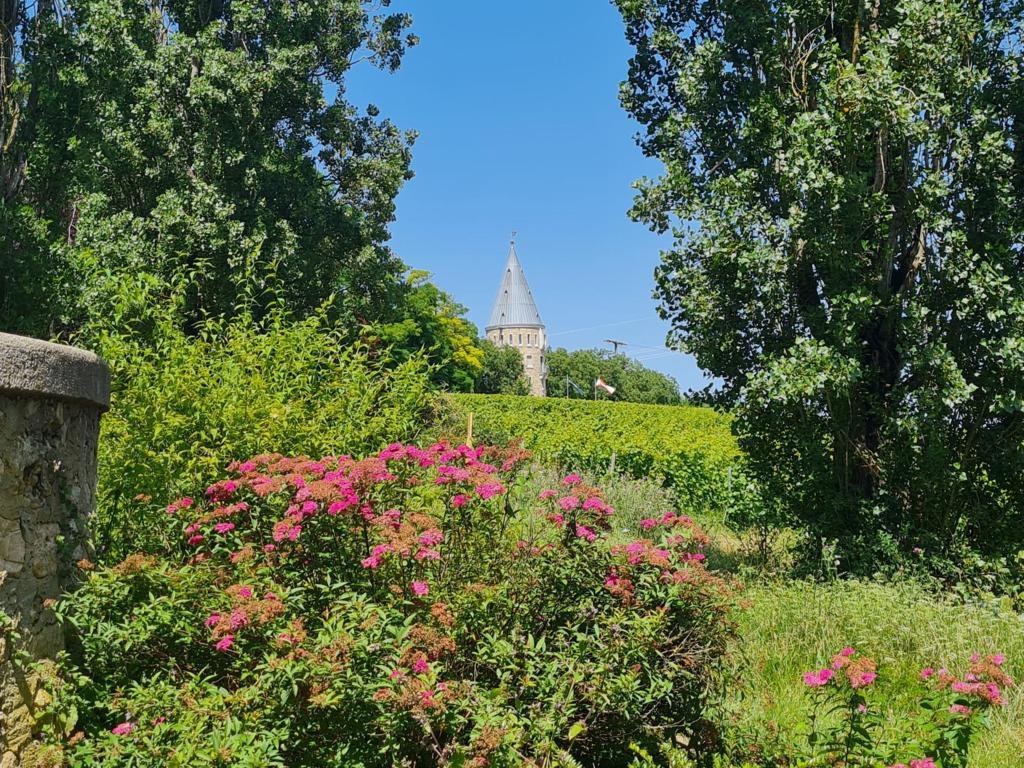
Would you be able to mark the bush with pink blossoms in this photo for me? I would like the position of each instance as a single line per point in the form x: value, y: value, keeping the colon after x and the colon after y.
x: 420, y: 606
x: 846, y: 722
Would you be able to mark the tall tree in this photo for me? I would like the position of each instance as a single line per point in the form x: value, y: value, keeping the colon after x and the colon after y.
x: 206, y: 142
x: 846, y: 188
x: 502, y: 371
x: 426, y: 321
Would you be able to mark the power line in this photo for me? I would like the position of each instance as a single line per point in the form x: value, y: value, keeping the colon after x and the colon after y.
x: 602, y: 325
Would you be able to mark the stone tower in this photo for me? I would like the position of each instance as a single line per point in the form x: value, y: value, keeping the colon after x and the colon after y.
x: 515, y: 322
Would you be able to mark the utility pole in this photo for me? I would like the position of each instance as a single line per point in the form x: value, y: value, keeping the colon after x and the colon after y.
x: 615, y: 345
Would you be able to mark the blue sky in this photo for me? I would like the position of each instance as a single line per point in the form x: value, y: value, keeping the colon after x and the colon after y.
x: 520, y: 129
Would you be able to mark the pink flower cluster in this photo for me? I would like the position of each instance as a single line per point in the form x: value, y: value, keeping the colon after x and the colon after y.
x: 246, y: 610
x: 342, y: 486
x: 983, y: 684
x: 922, y: 762
x: 858, y: 671
x: 819, y: 678
x: 183, y: 503
x: 420, y: 588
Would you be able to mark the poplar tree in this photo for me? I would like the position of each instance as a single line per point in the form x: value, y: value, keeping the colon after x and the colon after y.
x: 845, y: 183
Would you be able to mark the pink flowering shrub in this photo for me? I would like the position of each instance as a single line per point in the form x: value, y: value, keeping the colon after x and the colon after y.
x: 421, y: 606
x: 847, y: 720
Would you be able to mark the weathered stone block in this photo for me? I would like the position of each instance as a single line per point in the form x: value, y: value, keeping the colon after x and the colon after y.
x: 51, y: 397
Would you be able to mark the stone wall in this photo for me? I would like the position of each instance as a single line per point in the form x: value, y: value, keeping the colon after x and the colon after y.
x: 51, y: 398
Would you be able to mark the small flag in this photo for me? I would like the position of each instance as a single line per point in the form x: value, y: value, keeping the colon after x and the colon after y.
x: 600, y: 384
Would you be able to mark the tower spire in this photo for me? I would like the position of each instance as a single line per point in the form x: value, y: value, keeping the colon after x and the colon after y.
x: 514, y: 304
x: 515, y: 322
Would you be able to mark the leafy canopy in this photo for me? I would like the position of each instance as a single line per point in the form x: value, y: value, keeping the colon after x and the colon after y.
x: 427, y: 321
x: 503, y: 372
x: 208, y: 141
x: 633, y: 381
x: 846, y: 189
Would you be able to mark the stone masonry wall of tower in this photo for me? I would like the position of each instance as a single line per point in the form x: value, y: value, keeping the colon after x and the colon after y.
x: 533, y: 348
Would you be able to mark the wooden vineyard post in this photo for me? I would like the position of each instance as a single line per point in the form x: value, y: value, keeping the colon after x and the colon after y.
x: 469, y: 430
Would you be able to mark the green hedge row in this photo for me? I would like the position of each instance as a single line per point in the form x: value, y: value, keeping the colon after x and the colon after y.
x: 690, y: 448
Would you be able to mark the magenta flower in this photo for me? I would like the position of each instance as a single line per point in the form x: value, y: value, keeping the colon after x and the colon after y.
x: 225, y: 643
x: 193, y: 540
x: 927, y: 672
x: 862, y: 679
x: 420, y: 666
x: 489, y: 490
x: 212, y: 619
x: 123, y: 729
x: 431, y: 538
x: 548, y: 494
x: 420, y: 588
x: 960, y: 709
x: 569, y: 502
x: 572, y: 479
x: 459, y: 500
x: 224, y: 527
x: 818, y: 679
x: 647, y: 523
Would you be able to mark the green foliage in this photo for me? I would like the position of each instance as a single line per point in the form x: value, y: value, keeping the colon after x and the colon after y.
x: 427, y: 322
x: 787, y: 629
x: 419, y: 607
x: 689, y: 448
x: 594, y: 430
x: 502, y: 372
x: 634, y: 382
x: 183, y: 407
x: 196, y: 140
x: 846, y: 188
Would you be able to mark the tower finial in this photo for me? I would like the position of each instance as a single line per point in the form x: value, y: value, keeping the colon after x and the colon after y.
x: 514, y: 233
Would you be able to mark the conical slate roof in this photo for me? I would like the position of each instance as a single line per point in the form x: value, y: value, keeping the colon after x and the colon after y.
x: 514, y: 304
